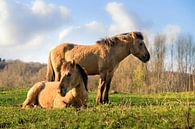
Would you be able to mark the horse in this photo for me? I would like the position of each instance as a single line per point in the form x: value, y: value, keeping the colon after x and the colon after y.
x: 101, y: 58
x: 70, y: 90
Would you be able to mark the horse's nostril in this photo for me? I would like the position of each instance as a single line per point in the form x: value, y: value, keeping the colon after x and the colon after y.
x: 148, y: 56
x: 144, y: 56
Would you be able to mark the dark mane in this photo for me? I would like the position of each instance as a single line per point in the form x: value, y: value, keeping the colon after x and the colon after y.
x: 139, y: 35
x: 124, y: 34
x: 108, y: 41
x: 83, y: 74
x: 111, y: 41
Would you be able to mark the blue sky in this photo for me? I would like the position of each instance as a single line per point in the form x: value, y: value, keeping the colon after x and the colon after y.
x: 30, y: 28
x: 157, y: 13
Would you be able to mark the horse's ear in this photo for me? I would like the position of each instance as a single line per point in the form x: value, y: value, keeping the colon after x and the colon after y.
x: 133, y: 34
x: 137, y: 35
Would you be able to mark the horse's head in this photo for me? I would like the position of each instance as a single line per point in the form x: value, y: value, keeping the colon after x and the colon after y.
x: 138, y: 48
x: 134, y: 43
x: 70, y: 77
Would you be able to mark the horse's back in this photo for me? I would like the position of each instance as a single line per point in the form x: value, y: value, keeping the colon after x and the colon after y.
x: 56, y: 57
x: 48, y: 94
x: 59, y: 50
x: 87, y: 56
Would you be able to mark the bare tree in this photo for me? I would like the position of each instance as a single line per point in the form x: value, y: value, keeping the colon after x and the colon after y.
x: 185, y: 61
x: 159, y: 57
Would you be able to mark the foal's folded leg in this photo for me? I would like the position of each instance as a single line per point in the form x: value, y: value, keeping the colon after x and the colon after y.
x: 59, y: 102
x: 32, y: 95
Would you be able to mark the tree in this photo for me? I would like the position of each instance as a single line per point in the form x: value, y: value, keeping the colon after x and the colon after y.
x: 158, y: 58
x: 185, y: 61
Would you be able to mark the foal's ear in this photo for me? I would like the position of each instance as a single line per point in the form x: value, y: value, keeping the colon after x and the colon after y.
x: 73, y: 63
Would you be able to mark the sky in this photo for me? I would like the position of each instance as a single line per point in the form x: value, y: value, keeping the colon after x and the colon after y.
x: 29, y: 29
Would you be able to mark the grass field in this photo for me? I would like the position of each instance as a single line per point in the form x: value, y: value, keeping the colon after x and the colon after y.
x: 164, y: 111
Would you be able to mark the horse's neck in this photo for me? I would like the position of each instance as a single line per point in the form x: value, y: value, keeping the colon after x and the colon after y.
x: 118, y: 53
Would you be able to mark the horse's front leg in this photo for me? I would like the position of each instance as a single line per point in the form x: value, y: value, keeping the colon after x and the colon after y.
x: 106, y: 90
x: 101, y: 87
x: 107, y: 85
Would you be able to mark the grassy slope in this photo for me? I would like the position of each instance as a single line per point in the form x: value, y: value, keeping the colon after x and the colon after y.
x: 168, y: 110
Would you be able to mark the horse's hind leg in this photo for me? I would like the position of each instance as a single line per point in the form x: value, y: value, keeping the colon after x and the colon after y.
x: 57, y: 68
x: 56, y: 60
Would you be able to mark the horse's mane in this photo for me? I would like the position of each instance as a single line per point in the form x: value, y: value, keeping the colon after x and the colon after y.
x: 111, y: 41
x: 108, y: 41
x: 83, y: 74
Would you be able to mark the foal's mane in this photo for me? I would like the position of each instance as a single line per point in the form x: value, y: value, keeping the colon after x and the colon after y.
x: 83, y: 75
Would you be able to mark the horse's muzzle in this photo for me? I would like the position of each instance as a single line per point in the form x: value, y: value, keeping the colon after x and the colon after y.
x: 145, y: 58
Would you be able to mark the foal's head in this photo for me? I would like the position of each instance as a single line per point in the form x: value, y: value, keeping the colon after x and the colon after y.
x: 72, y: 76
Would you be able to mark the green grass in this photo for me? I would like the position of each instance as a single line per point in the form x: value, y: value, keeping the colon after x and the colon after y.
x: 164, y: 111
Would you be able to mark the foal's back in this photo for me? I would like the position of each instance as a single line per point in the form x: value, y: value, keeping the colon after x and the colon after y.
x: 48, y: 94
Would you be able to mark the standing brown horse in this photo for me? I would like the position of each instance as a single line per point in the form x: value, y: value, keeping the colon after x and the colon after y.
x: 101, y: 58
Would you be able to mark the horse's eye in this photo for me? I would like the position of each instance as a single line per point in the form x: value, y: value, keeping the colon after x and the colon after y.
x: 140, y: 44
x: 68, y: 75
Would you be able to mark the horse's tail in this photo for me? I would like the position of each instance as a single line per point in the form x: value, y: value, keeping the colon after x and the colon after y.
x: 50, y: 71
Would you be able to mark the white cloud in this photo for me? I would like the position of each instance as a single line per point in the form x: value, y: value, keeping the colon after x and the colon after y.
x: 64, y: 33
x: 19, y: 24
x: 25, y: 28
x: 122, y: 21
x: 171, y: 32
x: 95, y: 26
x: 88, y: 32
x: 41, y: 8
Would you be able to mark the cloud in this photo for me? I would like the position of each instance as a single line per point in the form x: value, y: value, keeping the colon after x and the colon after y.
x: 121, y: 20
x: 20, y: 23
x: 41, y: 8
x: 88, y: 32
x: 26, y: 28
x: 95, y: 26
x: 171, y: 32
